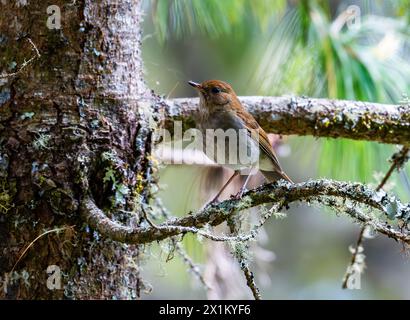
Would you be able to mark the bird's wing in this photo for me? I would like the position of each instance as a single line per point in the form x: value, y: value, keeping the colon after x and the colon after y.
x: 258, y: 134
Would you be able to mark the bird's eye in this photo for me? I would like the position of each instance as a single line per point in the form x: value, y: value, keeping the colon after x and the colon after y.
x: 215, y: 90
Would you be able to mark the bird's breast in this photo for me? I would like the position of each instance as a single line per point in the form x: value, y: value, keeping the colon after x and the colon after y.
x: 227, y: 142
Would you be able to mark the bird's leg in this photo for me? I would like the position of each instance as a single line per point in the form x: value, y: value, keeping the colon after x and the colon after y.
x: 224, y: 187
x: 243, y: 188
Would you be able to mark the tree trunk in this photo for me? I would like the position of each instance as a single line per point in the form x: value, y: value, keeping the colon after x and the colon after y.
x: 72, y: 119
x: 76, y: 124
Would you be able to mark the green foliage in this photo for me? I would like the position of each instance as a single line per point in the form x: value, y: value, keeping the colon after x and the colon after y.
x: 310, y: 50
x: 361, y: 63
x: 311, y: 53
x: 212, y: 17
x: 402, y: 8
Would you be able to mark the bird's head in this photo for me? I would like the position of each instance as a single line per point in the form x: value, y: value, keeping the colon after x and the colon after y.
x: 214, y: 93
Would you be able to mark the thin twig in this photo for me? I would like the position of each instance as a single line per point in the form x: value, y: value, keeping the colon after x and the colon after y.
x: 250, y: 282
x: 398, y: 160
x: 180, y: 250
x: 172, y: 90
x: 234, y: 224
x: 188, y: 261
x: 354, y: 257
x: 244, y: 266
x: 25, y: 63
x: 183, y: 229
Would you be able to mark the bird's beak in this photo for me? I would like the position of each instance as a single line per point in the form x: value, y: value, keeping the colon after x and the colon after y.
x: 195, y: 85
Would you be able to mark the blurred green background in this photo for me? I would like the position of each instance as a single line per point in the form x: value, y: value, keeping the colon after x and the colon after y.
x: 358, y: 50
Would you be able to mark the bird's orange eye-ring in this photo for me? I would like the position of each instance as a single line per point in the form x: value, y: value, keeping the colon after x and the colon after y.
x: 215, y: 90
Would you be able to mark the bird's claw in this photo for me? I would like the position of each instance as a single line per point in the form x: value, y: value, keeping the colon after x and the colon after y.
x: 213, y: 201
x: 239, y: 194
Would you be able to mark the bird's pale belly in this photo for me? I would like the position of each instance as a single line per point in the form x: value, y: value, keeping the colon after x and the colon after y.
x: 234, y: 149
x: 228, y: 143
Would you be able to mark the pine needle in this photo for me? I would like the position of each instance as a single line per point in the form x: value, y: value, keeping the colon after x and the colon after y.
x: 37, y: 238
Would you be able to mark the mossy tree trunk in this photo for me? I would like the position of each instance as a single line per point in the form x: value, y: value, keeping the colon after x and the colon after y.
x: 72, y: 120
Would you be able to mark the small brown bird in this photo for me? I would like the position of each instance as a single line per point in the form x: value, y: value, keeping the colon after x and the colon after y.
x: 220, y: 108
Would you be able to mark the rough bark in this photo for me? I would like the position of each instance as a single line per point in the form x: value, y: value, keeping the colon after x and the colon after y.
x: 67, y: 118
x: 317, y: 117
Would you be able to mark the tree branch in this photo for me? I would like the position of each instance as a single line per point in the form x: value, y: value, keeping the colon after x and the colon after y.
x: 280, y: 192
x: 398, y: 160
x: 240, y: 254
x: 318, y: 117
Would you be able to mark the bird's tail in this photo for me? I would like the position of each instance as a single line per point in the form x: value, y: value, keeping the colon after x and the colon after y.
x: 273, y: 176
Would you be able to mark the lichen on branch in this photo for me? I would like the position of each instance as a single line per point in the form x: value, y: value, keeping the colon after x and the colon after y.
x: 356, y: 200
x: 317, y: 117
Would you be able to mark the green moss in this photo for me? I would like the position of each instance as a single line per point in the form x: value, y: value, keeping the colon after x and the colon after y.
x: 7, y: 192
x: 115, y: 170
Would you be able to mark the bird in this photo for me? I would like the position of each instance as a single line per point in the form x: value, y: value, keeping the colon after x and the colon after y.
x: 220, y: 108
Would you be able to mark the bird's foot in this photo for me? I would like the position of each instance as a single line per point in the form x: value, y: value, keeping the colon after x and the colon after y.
x: 213, y: 201
x: 240, y: 193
